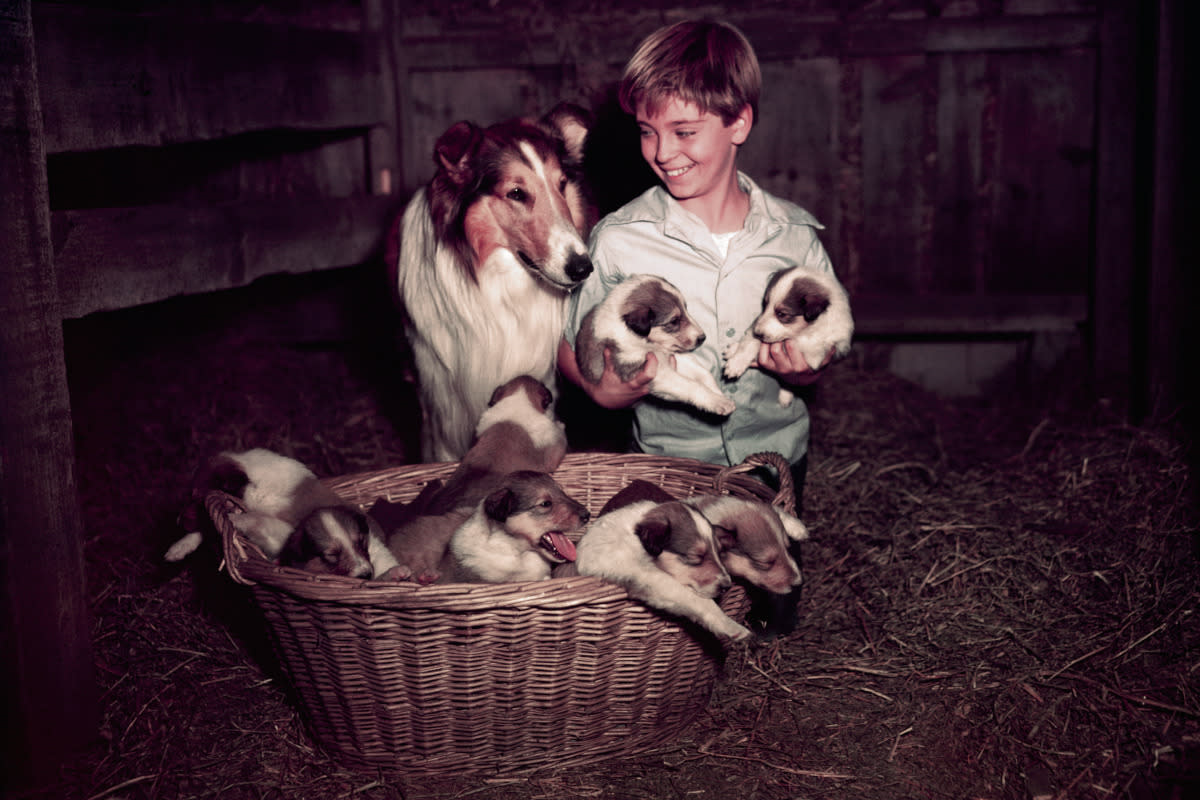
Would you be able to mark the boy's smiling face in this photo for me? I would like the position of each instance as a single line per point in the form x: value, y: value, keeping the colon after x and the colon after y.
x: 693, y: 152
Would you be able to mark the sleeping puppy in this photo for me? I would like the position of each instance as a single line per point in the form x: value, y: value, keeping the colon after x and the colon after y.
x: 663, y: 554
x: 516, y: 533
x: 645, y: 314
x: 752, y: 537
x: 290, y: 515
x: 808, y: 306
x: 518, y: 431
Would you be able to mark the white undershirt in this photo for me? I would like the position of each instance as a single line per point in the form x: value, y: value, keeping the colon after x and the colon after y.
x: 722, y: 240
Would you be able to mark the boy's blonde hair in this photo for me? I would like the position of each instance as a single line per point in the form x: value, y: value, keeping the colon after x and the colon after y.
x: 708, y: 63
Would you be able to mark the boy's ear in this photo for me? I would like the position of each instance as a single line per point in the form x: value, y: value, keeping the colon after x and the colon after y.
x: 742, y: 124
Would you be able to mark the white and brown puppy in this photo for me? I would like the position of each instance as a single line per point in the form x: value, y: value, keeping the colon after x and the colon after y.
x: 645, y: 314
x: 808, y: 306
x: 752, y: 537
x: 517, y: 533
x: 665, y: 555
x: 289, y: 514
x: 518, y: 431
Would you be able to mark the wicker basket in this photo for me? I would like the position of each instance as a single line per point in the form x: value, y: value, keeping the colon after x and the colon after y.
x: 498, y: 678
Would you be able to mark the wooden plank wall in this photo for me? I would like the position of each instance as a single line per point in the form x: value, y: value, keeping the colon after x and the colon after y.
x: 951, y: 156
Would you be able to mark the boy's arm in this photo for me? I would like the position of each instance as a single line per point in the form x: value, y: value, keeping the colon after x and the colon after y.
x: 611, y: 392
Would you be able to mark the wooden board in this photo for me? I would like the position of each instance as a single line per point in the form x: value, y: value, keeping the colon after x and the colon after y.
x: 116, y: 258
x: 46, y: 674
x: 117, y: 80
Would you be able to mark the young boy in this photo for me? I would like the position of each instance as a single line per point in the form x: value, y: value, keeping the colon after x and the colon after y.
x: 710, y: 230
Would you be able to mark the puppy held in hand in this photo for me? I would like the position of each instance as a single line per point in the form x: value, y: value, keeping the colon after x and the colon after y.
x: 665, y: 555
x: 809, y: 307
x: 752, y: 537
x: 518, y: 532
x: 290, y: 515
x: 518, y: 431
x: 645, y: 314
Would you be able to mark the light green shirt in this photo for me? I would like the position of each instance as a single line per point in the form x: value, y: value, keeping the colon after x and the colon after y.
x: 654, y: 234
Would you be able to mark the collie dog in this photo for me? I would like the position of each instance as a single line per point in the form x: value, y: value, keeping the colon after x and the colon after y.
x: 290, y: 515
x: 808, y: 306
x: 646, y: 314
x: 487, y: 255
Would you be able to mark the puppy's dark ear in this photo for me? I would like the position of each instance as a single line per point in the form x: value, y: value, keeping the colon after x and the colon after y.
x: 640, y: 320
x: 726, y: 538
x: 654, y: 534
x: 500, y: 504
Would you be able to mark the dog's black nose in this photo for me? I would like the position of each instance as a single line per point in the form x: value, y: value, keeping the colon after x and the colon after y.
x: 700, y: 340
x: 578, y: 267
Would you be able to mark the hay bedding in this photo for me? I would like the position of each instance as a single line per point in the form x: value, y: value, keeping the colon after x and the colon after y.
x: 1000, y: 602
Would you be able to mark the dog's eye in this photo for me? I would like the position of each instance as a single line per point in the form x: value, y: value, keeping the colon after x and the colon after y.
x: 517, y: 195
x: 546, y: 504
x: 671, y: 325
x: 562, y: 185
x: 763, y: 566
x: 330, y: 557
x: 785, y: 317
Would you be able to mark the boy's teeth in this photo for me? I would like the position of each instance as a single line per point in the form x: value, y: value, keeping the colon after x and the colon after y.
x: 675, y: 173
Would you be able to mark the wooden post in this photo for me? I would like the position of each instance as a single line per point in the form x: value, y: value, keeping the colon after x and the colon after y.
x: 46, y: 670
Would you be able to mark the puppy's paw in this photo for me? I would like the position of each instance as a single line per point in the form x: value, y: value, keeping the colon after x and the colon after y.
x: 786, y: 396
x: 724, y: 407
x: 396, y: 574
x: 426, y: 577
x: 738, y: 357
x: 184, y: 547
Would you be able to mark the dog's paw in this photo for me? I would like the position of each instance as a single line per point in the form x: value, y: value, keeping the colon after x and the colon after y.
x: 737, y: 356
x: 724, y: 407
x: 737, y: 633
x: 786, y: 396
x: 184, y: 547
x: 428, y: 576
x: 396, y: 574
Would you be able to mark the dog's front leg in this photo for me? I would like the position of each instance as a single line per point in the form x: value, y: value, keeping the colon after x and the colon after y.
x: 660, y: 591
x: 671, y: 384
x: 740, y: 355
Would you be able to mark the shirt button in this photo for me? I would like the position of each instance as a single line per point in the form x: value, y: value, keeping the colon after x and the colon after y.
x: 729, y: 334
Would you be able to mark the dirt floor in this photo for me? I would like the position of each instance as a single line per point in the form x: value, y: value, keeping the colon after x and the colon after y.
x: 1000, y: 599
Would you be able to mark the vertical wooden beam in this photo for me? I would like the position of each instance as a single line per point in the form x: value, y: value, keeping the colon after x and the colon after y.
x: 46, y: 671
x: 1118, y: 297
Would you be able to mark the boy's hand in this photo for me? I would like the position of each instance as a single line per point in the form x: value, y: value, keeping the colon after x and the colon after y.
x: 786, y: 362
x: 612, y: 392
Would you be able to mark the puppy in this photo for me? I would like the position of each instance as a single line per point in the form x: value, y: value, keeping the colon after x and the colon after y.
x: 518, y: 431
x: 516, y: 533
x: 290, y: 515
x: 752, y: 538
x: 808, y: 306
x: 645, y: 314
x: 663, y: 554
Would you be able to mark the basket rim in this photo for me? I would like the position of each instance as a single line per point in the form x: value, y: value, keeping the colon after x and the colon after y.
x: 247, y: 565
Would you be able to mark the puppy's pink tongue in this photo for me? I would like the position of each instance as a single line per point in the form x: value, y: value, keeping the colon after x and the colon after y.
x: 562, y: 545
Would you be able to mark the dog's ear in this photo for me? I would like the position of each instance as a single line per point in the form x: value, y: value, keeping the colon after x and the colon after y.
x: 792, y: 526
x: 454, y: 151
x: 726, y: 538
x: 654, y: 532
x: 500, y: 504
x: 640, y: 320
x: 573, y: 123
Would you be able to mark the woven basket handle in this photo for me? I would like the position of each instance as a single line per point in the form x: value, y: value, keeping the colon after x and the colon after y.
x: 234, y: 547
x: 785, y: 498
